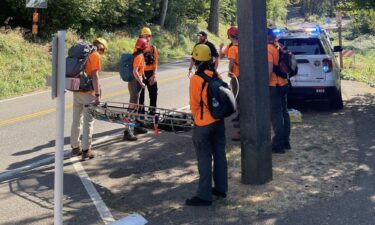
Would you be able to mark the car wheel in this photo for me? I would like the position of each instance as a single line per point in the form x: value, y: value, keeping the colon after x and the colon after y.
x: 336, y: 101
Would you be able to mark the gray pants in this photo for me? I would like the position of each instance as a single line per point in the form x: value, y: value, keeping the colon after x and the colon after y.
x: 279, y: 116
x: 82, y: 117
x: 209, y: 142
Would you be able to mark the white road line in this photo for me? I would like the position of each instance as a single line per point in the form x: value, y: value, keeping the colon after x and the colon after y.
x: 6, y: 175
x: 103, y: 210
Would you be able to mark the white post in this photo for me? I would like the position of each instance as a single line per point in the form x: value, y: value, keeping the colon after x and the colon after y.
x: 59, y: 155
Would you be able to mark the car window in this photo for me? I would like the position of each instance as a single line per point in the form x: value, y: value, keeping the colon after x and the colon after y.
x: 303, y: 46
x: 326, y: 46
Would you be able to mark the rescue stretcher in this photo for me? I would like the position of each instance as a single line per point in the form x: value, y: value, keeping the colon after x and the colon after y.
x: 141, y: 115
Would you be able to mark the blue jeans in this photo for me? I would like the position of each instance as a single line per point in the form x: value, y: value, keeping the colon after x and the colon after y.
x: 279, y: 116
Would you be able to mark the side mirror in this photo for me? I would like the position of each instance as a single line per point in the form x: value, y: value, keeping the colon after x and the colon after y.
x: 331, y: 39
x: 337, y: 49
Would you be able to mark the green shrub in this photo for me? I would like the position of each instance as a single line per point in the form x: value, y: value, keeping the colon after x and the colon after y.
x: 363, y: 23
x: 23, y: 66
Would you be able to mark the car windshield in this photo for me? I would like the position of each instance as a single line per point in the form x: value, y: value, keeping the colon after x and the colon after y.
x: 303, y: 46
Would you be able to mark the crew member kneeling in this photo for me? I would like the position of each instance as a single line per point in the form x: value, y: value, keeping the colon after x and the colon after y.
x: 208, y: 136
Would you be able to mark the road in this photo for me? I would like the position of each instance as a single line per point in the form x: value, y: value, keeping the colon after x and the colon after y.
x: 27, y: 133
x: 153, y: 176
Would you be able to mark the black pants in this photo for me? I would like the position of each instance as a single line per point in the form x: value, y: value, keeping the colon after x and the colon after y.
x: 209, y: 142
x: 152, y: 90
x: 279, y: 116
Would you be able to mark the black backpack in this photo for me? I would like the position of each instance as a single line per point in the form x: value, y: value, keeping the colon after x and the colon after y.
x: 287, y: 66
x: 221, y: 101
x: 78, y: 55
x: 149, y: 56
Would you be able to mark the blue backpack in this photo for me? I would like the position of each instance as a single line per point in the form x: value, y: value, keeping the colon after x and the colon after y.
x: 221, y: 101
x: 126, y: 67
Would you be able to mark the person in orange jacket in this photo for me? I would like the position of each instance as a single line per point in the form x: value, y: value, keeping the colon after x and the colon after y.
x: 279, y: 88
x: 231, y: 51
x: 83, y: 121
x: 208, y: 136
x: 150, y: 55
x: 136, y: 85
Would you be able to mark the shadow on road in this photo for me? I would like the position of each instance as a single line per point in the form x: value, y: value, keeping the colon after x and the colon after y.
x: 50, y: 144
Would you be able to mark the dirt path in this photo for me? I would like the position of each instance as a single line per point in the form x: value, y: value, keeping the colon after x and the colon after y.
x: 153, y: 177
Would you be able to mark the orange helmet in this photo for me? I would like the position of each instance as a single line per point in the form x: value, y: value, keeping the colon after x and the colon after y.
x: 141, y: 43
x: 232, y: 31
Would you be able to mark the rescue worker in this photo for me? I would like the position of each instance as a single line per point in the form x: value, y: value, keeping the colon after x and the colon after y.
x: 202, y: 39
x: 278, y: 93
x: 231, y: 51
x: 150, y: 55
x: 208, y: 135
x: 83, y: 121
x: 135, y: 86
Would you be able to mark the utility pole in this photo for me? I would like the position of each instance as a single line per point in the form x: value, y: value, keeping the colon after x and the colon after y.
x: 256, y: 155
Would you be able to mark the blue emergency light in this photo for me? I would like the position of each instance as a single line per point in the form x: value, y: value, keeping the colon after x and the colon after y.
x: 313, y: 30
x: 278, y: 31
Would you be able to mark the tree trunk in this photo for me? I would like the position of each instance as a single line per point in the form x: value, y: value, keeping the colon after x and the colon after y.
x: 163, y: 12
x: 213, y: 21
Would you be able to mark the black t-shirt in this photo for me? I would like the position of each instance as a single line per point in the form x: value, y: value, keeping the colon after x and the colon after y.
x: 212, y: 47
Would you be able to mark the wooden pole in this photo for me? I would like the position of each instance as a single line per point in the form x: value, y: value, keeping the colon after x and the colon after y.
x: 256, y: 156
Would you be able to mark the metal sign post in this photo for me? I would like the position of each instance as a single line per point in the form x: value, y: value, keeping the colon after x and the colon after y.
x: 36, y: 4
x: 58, y: 91
x: 339, y: 26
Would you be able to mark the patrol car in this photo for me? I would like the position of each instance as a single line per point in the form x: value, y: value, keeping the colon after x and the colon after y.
x: 318, y: 75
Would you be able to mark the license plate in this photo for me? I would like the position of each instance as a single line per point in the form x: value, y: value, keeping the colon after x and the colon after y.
x: 320, y: 90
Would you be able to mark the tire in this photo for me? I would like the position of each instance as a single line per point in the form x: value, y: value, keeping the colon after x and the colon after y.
x: 336, y: 102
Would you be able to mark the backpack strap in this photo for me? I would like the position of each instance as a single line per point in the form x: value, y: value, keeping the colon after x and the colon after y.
x: 206, y: 80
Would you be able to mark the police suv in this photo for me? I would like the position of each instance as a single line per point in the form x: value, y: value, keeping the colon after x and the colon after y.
x: 318, y: 75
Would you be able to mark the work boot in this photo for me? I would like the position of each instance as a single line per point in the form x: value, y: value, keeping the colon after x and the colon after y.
x: 139, y: 130
x: 76, y: 152
x: 218, y: 194
x: 287, y: 146
x: 87, y: 154
x: 196, y: 201
x: 278, y: 150
x: 129, y: 136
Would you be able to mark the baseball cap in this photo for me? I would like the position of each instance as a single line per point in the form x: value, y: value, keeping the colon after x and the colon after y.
x: 202, y: 33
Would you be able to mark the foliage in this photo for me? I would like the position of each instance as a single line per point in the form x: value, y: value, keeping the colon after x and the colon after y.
x: 276, y: 10
x: 228, y: 11
x: 93, y: 16
x: 353, y: 5
x: 318, y: 7
x: 363, y: 22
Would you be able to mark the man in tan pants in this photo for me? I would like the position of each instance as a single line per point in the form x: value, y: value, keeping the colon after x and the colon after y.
x: 83, y: 121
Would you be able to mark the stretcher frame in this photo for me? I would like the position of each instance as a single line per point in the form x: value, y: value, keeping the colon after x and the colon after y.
x: 141, y: 115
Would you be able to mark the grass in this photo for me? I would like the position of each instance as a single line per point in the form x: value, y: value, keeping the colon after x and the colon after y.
x: 362, y: 66
x: 24, y: 66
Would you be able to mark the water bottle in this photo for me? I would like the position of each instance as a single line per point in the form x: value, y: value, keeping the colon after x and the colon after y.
x: 215, y: 103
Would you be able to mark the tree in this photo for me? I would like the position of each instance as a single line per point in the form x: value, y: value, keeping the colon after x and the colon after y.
x: 213, y: 21
x: 163, y: 12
